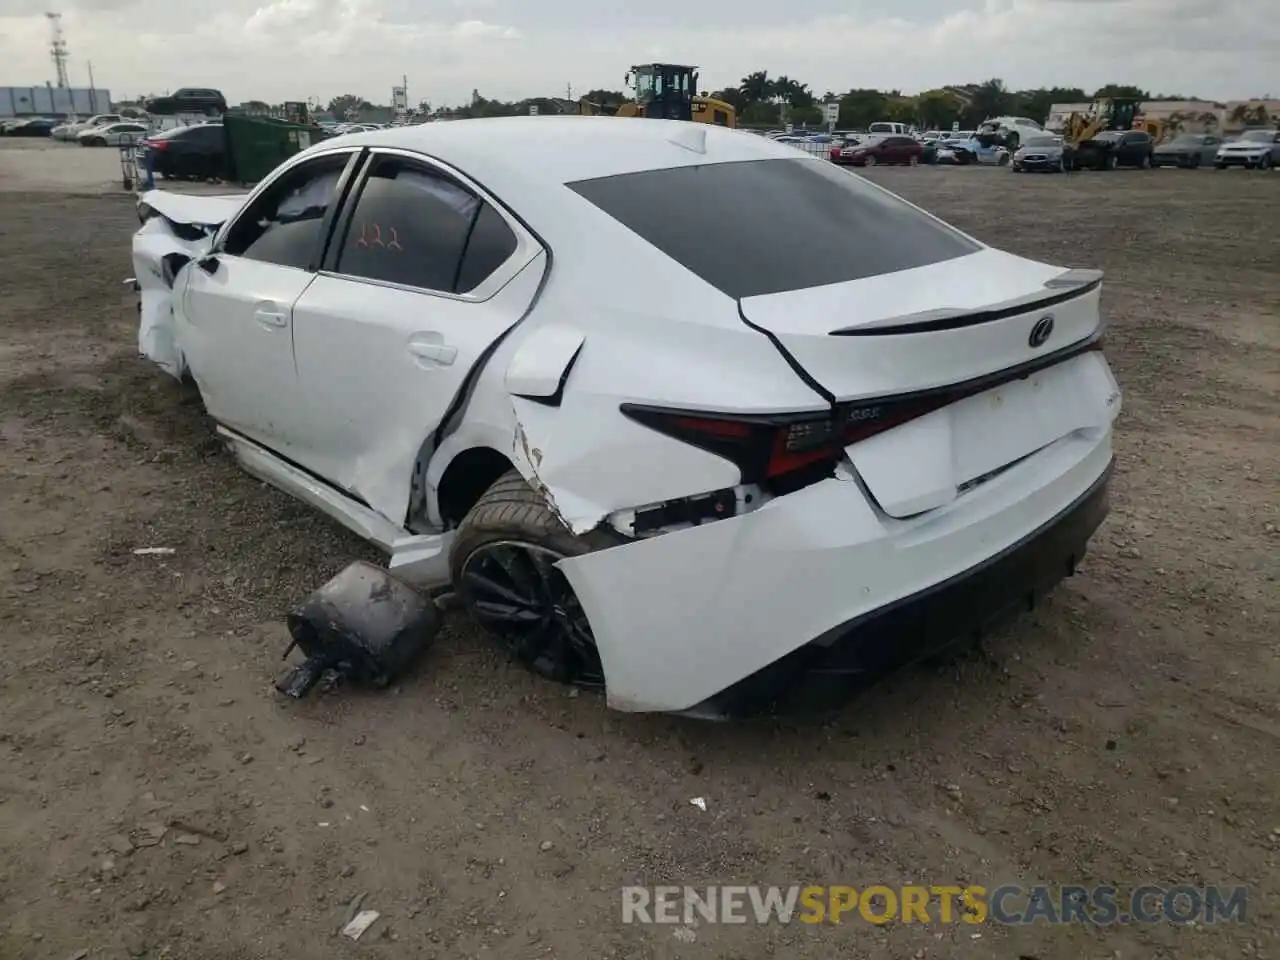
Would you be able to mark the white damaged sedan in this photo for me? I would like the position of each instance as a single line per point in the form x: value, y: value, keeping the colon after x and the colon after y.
x: 677, y: 411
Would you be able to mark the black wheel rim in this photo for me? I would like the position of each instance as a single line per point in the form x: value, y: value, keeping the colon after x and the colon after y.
x: 518, y: 595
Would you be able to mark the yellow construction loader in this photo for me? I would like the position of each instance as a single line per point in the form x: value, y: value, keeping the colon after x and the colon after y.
x: 666, y: 91
x: 1113, y: 114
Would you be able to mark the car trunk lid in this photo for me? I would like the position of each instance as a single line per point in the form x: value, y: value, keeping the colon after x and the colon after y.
x: 972, y: 385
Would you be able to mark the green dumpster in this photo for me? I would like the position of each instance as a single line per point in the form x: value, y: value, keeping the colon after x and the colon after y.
x: 257, y: 145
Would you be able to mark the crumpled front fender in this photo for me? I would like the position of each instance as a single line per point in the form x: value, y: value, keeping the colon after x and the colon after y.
x: 159, y: 257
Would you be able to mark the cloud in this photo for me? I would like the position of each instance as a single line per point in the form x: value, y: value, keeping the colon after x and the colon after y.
x: 292, y: 49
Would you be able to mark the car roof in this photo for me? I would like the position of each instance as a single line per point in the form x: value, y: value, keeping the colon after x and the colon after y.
x: 553, y: 151
x: 560, y: 150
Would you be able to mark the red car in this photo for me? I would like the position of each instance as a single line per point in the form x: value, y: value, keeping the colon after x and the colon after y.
x: 868, y: 153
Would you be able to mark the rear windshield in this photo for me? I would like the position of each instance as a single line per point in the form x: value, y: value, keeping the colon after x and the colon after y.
x: 764, y: 226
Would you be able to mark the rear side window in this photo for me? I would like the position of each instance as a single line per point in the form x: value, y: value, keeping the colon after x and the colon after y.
x: 414, y: 226
x: 764, y: 226
x: 491, y: 243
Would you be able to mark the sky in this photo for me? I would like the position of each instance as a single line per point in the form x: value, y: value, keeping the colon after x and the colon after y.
x: 278, y: 50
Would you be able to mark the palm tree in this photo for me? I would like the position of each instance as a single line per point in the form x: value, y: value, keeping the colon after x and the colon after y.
x: 756, y: 87
x: 990, y: 99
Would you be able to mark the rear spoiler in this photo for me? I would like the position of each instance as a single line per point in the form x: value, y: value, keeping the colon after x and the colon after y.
x: 1065, y: 286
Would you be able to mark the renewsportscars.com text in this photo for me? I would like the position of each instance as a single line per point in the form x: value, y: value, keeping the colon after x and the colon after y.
x: 1008, y: 904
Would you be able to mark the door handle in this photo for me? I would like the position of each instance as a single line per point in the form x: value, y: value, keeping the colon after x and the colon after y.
x: 437, y: 353
x: 271, y: 318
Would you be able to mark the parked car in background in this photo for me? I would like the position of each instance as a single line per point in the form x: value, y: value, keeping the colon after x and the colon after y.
x: 1010, y: 130
x: 965, y: 152
x: 1116, y: 148
x: 198, y: 100
x: 1043, y: 152
x: 35, y: 127
x: 196, y: 152
x: 877, y: 150
x: 70, y: 131
x: 112, y: 134
x: 1254, y: 148
x: 1187, y: 150
x: 895, y: 433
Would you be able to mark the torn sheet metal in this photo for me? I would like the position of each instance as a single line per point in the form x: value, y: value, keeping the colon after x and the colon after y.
x: 588, y: 461
x: 194, y: 210
x: 176, y: 229
x: 158, y: 257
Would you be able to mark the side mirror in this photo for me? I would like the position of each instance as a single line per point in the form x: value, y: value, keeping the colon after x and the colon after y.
x: 208, y: 264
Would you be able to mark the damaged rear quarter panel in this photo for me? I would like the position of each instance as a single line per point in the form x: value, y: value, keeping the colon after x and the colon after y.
x: 590, y: 460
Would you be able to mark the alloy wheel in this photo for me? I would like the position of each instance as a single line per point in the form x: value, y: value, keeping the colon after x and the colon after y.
x: 515, y: 591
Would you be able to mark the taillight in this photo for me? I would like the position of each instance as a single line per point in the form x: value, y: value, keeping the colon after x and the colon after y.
x: 767, y: 448
x: 156, y: 144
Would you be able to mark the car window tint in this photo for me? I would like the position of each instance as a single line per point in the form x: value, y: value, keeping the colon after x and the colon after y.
x: 488, y: 248
x: 809, y: 223
x: 410, y: 226
x: 283, y: 226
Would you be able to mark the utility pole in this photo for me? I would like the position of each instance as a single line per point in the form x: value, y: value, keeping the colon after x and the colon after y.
x: 91, y: 75
x: 58, y: 48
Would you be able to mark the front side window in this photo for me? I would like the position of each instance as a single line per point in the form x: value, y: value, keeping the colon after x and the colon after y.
x: 284, y: 224
x: 415, y: 226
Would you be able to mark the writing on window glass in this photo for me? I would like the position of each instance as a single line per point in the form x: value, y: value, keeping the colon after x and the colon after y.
x: 371, y: 237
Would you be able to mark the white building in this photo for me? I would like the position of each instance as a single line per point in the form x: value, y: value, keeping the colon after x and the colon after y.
x: 1190, y: 116
x: 50, y: 101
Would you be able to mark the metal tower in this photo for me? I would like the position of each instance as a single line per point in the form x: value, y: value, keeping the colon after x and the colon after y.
x: 58, y: 48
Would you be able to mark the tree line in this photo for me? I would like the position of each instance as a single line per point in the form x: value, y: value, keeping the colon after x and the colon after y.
x: 762, y: 100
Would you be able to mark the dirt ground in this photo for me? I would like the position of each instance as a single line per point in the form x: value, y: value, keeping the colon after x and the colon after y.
x: 158, y: 799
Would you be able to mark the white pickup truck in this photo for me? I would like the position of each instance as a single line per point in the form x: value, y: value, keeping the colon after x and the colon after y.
x: 884, y: 128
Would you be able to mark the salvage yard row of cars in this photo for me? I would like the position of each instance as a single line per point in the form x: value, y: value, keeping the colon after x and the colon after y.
x: 1046, y: 151
x: 828, y: 434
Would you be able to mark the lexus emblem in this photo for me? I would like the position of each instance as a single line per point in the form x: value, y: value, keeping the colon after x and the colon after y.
x: 1041, y: 332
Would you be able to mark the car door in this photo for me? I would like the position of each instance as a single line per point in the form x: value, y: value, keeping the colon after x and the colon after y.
x: 1209, y: 148
x: 424, y: 275
x: 1139, y: 146
x: 236, y: 328
x: 1125, y: 152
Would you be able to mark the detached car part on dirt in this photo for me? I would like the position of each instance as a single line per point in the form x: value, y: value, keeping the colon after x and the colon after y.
x: 827, y: 434
x: 364, y: 625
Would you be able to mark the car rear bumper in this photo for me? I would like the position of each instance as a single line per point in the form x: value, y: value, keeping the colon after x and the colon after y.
x: 718, y: 619
x: 830, y: 670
